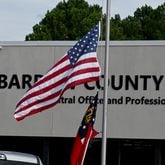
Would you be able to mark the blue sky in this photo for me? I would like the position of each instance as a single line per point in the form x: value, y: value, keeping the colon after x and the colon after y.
x: 17, y: 17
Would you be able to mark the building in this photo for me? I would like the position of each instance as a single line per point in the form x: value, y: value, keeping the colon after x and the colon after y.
x: 136, y: 103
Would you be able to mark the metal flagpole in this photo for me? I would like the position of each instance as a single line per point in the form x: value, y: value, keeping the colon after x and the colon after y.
x: 105, y: 95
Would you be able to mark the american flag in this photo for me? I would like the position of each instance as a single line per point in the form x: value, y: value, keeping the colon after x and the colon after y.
x: 85, y: 133
x: 79, y: 65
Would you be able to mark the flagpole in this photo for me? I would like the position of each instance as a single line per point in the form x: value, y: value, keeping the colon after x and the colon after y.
x: 105, y: 95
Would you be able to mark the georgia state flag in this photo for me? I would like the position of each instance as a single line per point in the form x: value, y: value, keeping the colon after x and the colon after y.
x: 85, y: 133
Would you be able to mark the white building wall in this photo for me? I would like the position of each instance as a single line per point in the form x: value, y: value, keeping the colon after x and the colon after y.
x: 136, y: 111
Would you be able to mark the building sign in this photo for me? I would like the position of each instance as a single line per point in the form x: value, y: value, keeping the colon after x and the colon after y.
x: 116, y: 83
x: 136, y: 92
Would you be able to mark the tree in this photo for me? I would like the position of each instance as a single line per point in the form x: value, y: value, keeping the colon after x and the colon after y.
x: 116, y: 28
x: 68, y: 21
x: 146, y: 24
x: 72, y: 19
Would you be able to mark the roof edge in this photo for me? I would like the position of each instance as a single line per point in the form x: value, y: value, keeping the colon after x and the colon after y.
x: 70, y: 43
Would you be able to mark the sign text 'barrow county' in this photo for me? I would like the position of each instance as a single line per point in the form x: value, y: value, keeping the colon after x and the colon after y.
x: 116, y: 82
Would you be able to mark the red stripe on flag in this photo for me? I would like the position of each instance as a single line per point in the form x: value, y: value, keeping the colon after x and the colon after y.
x: 79, y: 65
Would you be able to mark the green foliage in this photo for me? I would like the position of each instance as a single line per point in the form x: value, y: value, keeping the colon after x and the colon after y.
x: 72, y: 19
x: 146, y: 24
x: 116, y: 28
x: 68, y: 21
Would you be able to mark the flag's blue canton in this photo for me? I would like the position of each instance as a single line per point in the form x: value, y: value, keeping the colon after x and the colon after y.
x: 86, y: 45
